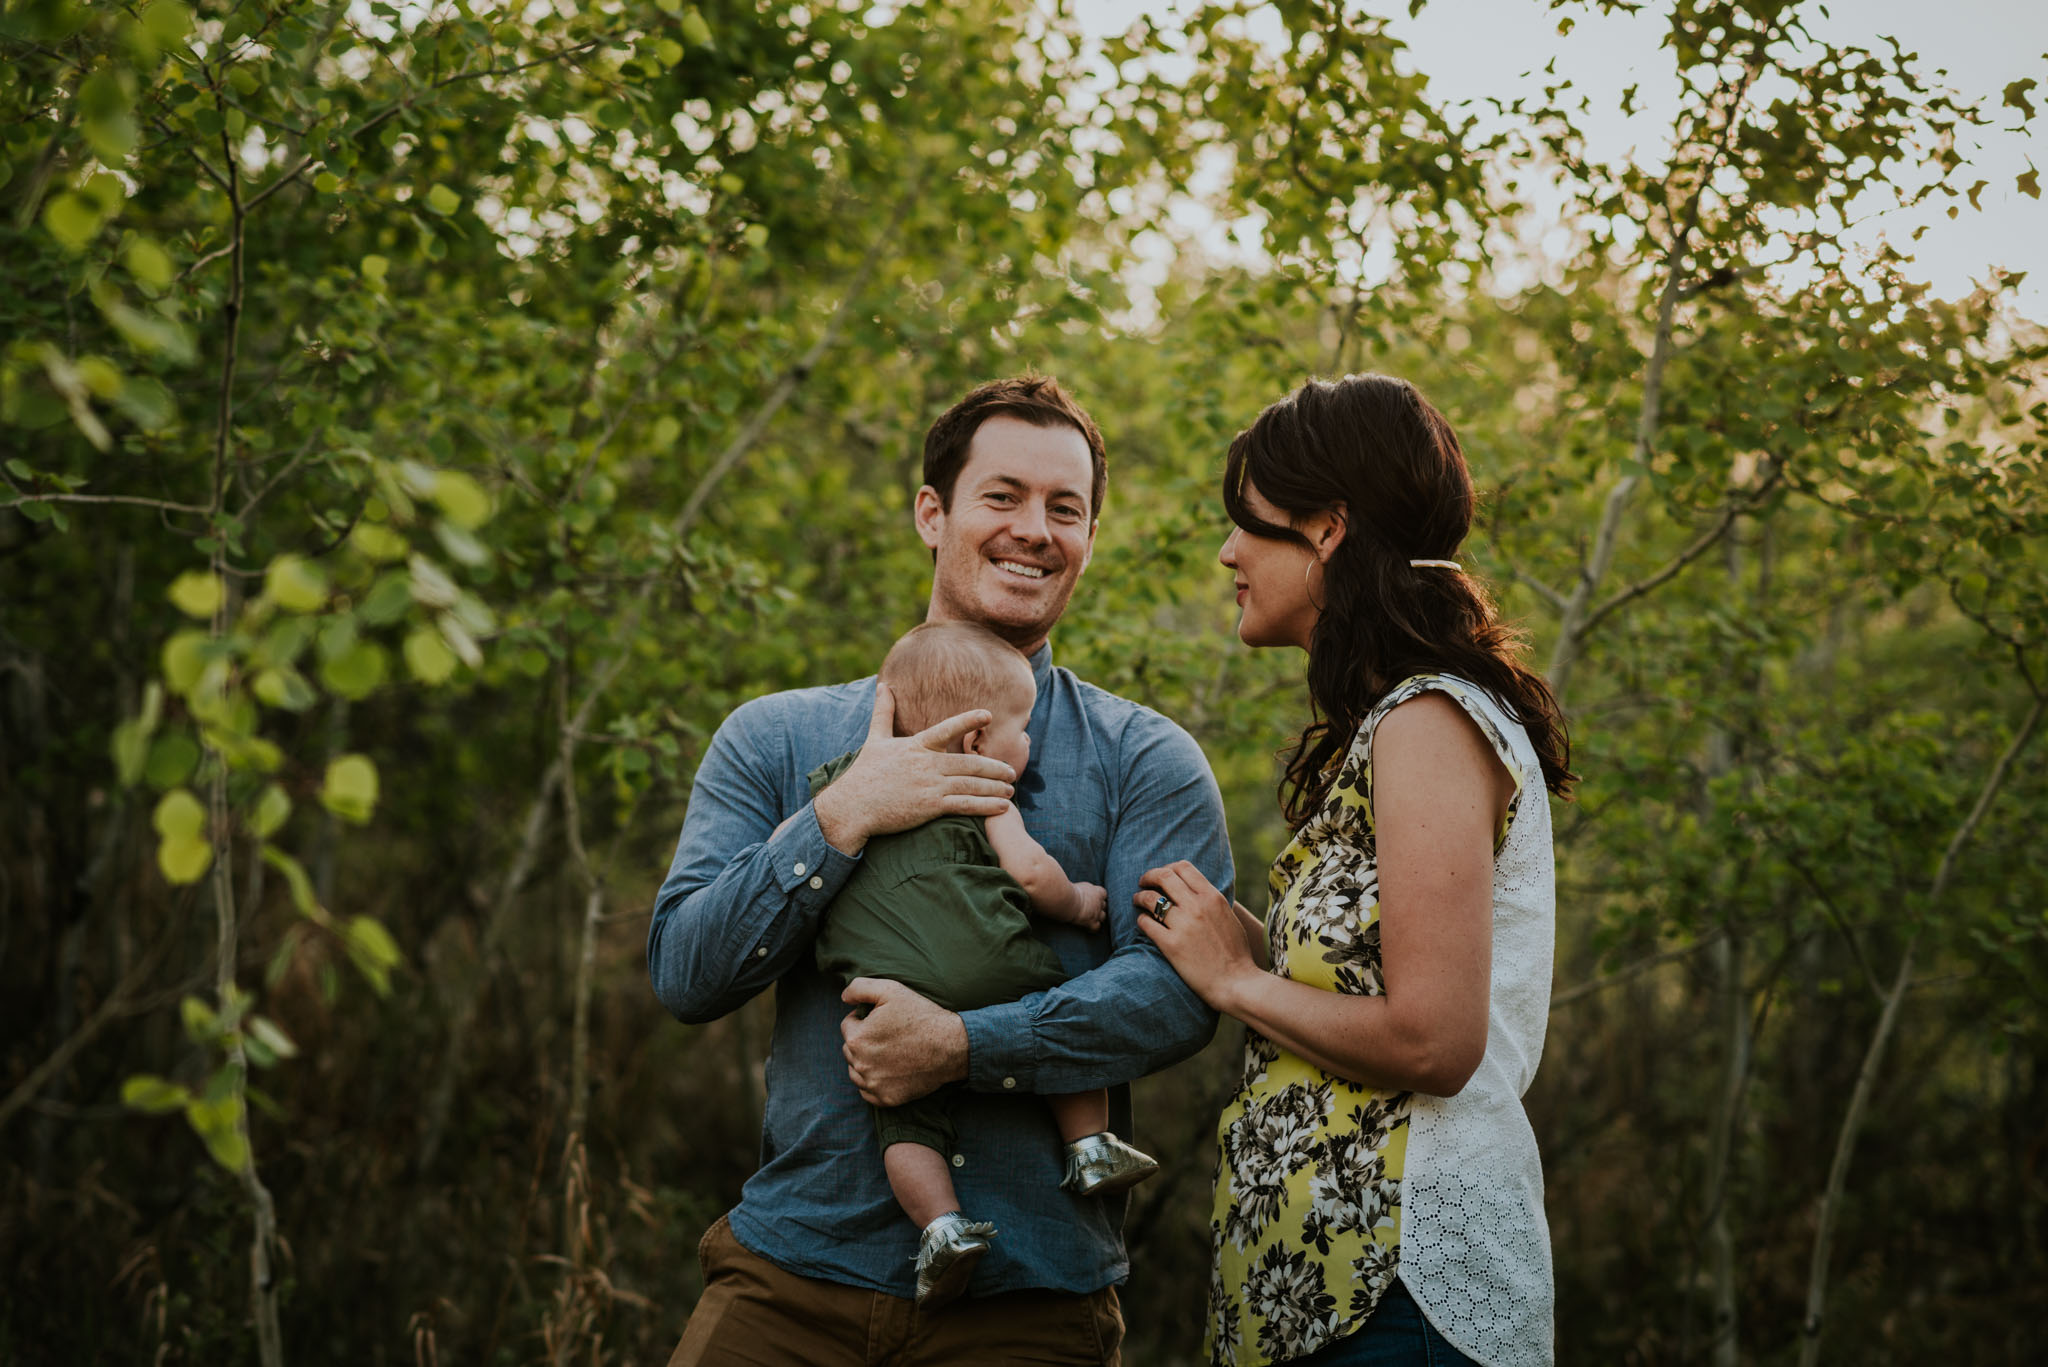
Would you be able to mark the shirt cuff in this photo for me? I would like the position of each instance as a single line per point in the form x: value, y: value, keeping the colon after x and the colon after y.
x: 1001, y: 1052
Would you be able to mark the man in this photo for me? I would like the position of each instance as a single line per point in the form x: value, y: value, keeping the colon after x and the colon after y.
x: 814, y: 1265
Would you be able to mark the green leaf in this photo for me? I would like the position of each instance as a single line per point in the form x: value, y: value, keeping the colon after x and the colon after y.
x: 326, y: 182
x: 273, y: 809
x: 388, y: 599
x: 378, y: 542
x: 201, y: 1024
x: 2029, y: 184
x: 196, y: 593
x: 72, y: 220
x: 131, y: 751
x: 264, y: 1029
x: 443, y: 200
x: 167, y: 21
x: 756, y: 235
x: 148, y: 262
x: 374, y: 269
x: 284, y: 688
x: 220, y: 1126
x: 356, y: 672
x: 373, y: 951
x: 179, y: 814
x: 295, y: 584
x: 696, y: 32
x: 171, y: 760
x: 428, y: 657
x: 152, y: 1094
x: 295, y: 878
x: 461, y: 498
x: 184, y: 660
x: 350, y: 791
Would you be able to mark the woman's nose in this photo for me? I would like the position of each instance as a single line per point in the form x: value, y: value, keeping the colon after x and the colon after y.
x: 1227, y: 553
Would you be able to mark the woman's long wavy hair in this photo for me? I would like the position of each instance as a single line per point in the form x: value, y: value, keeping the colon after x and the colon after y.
x: 1375, y: 446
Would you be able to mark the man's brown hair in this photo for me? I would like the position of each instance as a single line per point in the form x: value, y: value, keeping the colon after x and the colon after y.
x: 941, y: 669
x: 1036, y: 399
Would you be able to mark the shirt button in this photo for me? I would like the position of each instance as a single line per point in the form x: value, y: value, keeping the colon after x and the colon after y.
x: 761, y: 953
x: 1008, y: 1083
x: 959, y: 1160
x: 817, y: 883
x: 800, y: 870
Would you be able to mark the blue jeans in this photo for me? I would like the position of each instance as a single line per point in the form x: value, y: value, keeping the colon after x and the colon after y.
x: 1396, y: 1336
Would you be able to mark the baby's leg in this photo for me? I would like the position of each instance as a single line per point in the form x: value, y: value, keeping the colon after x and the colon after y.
x: 1098, y: 1163
x: 921, y: 1180
x: 1080, y: 1114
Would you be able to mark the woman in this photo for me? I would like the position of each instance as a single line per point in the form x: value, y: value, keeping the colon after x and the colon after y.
x: 1378, y: 1195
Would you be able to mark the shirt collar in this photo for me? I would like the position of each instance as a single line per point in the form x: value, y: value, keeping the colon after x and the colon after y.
x: 1041, y: 667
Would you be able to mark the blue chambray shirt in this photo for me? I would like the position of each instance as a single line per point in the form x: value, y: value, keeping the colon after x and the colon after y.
x: 1113, y: 789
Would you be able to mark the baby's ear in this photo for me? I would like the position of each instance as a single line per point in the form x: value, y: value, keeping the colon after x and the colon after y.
x: 970, y: 744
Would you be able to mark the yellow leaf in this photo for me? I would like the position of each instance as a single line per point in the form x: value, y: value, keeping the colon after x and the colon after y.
x: 351, y: 788
x: 184, y: 660
x: 184, y: 860
x: 196, y: 593
x: 272, y: 810
x: 378, y: 542
x: 179, y: 815
x: 295, y: 584
x: 428, y: 657
x: 461, y: 498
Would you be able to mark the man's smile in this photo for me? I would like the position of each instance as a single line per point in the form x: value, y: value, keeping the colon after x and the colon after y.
x: 1019, y: 568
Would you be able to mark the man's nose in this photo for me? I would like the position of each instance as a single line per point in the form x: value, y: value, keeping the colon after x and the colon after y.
x: 1027, y: 522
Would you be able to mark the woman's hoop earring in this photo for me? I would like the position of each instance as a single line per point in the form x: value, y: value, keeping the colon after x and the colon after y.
x: 1307, y: 588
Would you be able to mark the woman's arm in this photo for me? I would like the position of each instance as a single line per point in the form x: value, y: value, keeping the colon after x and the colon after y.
x: 1438, y: 794
x: 1052, y: 893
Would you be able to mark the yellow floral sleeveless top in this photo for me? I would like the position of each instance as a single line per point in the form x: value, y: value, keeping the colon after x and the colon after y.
x: 1305, y: 1230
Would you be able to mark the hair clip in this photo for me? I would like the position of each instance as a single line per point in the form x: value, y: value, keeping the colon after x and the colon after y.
x: 1438, y: 564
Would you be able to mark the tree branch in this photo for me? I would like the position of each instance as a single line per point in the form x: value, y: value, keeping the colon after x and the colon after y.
x: 1705, y: 542
x: 159, y: 503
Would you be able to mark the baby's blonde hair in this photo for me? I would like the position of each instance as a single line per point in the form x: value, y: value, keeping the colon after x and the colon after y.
x: 941, y: 669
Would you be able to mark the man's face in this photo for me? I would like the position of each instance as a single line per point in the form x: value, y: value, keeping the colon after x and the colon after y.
x: 1019, y: 533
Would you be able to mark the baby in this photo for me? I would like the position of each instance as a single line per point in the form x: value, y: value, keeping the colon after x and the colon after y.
x: 944, y: 908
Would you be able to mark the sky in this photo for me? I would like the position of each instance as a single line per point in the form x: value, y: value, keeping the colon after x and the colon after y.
x: 1475, y: 49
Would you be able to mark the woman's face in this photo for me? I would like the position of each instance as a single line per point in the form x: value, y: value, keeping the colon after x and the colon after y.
x: 1274, y: 577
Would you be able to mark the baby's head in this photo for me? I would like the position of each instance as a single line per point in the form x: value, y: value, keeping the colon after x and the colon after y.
x: 942, y: 669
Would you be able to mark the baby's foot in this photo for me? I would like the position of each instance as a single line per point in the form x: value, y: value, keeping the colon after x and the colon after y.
x: 946, y: 1255
x: 1102, y: 1164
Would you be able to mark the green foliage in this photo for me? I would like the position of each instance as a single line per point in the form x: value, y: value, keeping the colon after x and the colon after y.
x: 400, y: 403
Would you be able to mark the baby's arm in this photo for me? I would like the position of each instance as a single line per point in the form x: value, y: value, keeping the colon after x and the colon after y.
x: 1051, y: 892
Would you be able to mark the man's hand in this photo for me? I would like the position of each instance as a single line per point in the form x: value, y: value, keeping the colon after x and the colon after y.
x: 903, y: 781
x: 904, y: 1047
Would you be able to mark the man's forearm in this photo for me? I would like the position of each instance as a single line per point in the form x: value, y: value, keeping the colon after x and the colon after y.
x: 1112, y: 1025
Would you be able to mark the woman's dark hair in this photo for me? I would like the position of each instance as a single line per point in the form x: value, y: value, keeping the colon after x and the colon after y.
x: 1373, y: 444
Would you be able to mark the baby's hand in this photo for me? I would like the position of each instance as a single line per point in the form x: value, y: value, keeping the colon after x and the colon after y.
x: 1091, y: 903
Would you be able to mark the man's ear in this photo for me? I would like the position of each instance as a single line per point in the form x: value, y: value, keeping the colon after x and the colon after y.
x: 929, y: 513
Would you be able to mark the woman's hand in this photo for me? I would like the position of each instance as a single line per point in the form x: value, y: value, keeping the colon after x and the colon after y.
x: 1201, y: 934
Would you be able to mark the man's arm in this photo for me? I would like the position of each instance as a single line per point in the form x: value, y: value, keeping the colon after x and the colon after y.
x: 1132, y: 1015
x: 742, y: 899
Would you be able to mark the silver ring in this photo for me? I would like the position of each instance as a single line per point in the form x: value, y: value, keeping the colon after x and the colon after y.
x: 1160, y: 907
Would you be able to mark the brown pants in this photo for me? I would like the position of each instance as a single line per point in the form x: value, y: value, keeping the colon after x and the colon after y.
x: 754, y: 1314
